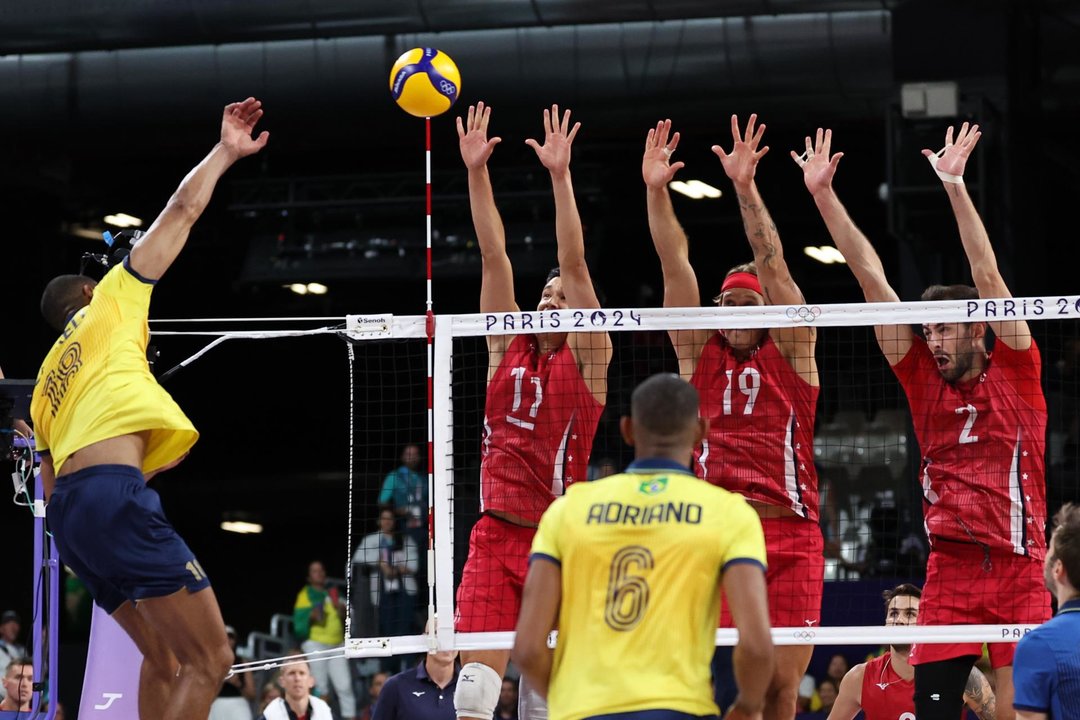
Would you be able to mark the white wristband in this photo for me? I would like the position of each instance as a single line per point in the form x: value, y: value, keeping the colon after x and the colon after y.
x: 945, y: 177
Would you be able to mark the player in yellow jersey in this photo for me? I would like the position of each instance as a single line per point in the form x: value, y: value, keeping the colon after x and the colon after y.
x: 104, y: 426
x: 630, y: 568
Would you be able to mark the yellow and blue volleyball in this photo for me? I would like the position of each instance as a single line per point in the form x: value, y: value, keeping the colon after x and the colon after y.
x: 425, y: 82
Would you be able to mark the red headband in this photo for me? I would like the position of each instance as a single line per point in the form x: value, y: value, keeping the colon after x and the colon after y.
x: 744, y: 280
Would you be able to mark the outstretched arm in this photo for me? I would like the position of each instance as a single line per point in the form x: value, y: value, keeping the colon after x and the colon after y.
x: 669, y: 239
x: 497, y: 275
x: 949, y: 163
x: 779, y: 288
x: 592, y: 350
x: 979, y: 696
x: 849, y: 699
x: 540, y: 601
x: 155, y: 251
x: 744, y: 587
x: 819, y: 166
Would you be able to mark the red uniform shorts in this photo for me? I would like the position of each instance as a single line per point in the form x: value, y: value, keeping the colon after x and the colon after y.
x: 489, y: 596
x: 796, y: 571
x: 967, y: 586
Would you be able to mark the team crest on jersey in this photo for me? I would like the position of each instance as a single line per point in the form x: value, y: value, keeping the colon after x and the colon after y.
x: 653, y: 486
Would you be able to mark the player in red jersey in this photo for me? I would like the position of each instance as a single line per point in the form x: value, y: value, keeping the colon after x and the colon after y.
x: 545, y: 394
x: 980, y: 419
x: 884, y: 688
x: 758, y: 389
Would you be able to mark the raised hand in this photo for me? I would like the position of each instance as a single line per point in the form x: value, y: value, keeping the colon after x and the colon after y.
x: 952, y: 159
x: 817, y: 164
x: 741, y: 163
x: 237, y: 125
x: 657, y: 170
x: 554, y: 154
x: 473, y: 139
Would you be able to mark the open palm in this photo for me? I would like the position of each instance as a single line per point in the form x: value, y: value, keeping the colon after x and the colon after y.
x: 237, y: 125
x: 741, y: 163
x: 554, y: 154
x: 657, y: 170
x: 952, y: 159
x: 818, y: 164
x: 473, y: 139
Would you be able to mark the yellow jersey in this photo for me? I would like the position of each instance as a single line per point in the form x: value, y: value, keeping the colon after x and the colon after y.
x: 641, y: 556
x: 96, y: 384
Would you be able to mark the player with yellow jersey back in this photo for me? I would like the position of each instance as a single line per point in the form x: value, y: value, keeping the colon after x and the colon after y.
x: 631, y: 569
x: 104, y: 426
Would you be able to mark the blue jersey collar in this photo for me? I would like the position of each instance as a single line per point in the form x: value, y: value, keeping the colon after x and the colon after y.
x: 1070, y: 606
x: 648, y: 465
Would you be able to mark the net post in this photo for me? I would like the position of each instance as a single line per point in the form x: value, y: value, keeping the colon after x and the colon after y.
x: 443, y: 449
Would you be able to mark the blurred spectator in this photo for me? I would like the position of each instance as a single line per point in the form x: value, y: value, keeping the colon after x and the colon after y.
x: 317, y: 620
x: 604, y: 467
x: 374, y: 688
x: 405, y: 491
x: 507, y: 709
x: 807, y: 688
x: 18, y: 685
x: 78, y: 606
x: 392, y: 559
x: 296, y: 681
x: 270, y: 692
x: 827, y: 691
x: 237, y: 693
x: 837, y: 669
x: 425, y: 692
x: 10, y: 650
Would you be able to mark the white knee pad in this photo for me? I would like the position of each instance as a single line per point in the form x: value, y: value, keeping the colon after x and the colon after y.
x: 530, y: 705
x: 477, y: 692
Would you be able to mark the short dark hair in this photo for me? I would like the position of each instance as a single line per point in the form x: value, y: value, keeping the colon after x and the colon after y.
x: 950, y: 292
x: 901, y: 590
x: 63, y: 296
x: 556, y: 272
x: 23, y: 660
x: 1066, y: 541
x: 664, y: 405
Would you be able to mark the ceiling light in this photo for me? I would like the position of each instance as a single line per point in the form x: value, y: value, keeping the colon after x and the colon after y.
x: 825, y: 254
x: 298, y: 288
x: 123, y: 220
x: 242, y: 527
x: 317, y: 288
x: 695, y: 189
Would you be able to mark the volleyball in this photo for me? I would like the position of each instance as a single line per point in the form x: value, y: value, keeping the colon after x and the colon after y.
x: 425, y: 82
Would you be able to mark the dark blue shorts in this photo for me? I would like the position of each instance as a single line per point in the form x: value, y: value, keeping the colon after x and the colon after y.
x: 111, y: 531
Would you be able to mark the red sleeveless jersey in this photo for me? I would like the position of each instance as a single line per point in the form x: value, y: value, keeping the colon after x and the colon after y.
x: 983, y: 448
x: 761, y: 427
x: 539, y: 421
x: 886, y: 695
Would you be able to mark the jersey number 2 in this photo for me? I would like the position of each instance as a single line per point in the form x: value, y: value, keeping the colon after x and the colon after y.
x: 972, y: 414
x: 627, y: 594
x: 538, y: 397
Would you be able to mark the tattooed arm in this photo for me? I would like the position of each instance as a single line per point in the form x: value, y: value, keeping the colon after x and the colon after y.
x: 979, y: 696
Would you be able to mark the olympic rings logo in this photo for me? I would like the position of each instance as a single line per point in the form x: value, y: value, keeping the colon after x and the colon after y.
x: 804, y: 635
x: 803, y: 313
x: 447, y: 87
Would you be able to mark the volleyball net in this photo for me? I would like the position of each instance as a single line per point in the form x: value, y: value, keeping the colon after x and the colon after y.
x: 861, y: 485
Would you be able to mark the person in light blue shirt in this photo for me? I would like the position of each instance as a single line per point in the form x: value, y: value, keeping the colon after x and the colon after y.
x: 405, y: 491
x: 1046, y: 669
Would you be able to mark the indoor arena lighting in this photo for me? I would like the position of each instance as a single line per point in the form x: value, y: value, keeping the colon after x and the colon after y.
x: 123, y: 220
x: 242, y: 527
x: 826, y: 254
x: 317, y: 288
x: 298, y: 288
x: 695, y: 189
